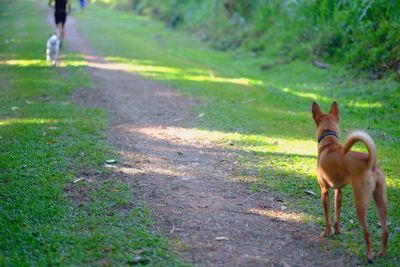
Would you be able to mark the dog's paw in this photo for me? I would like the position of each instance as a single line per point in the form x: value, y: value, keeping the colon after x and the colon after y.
x: 370, y: 257
x: 337, y: 228
x: 325, y: 234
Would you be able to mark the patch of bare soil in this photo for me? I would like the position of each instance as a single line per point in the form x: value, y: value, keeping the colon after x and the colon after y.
x: 210, y: 217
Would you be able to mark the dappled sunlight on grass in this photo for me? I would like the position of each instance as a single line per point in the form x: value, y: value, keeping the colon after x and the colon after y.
x: 244, y: 142
x: 312, y: 96
x: 319, y: 97
x: 358, y: 104
x: 393, y: 182
x: 64, y: 62
x: 24, y: 62
x: 13, y: 121
x: 148, y: 68
x: 261, y: 143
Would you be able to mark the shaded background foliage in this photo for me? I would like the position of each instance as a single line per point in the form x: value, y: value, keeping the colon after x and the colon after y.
x: 365, y: 34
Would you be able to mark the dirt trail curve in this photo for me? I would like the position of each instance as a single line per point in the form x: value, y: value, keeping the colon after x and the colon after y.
x: 184, y: 178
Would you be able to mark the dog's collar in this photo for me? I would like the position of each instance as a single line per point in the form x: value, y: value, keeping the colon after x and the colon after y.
x: 327, y: 133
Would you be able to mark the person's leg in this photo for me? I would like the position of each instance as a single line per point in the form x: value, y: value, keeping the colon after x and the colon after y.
x: 61, y: 25
x: 62, y: 31
x: 59, y: 30
x: 59, y: 21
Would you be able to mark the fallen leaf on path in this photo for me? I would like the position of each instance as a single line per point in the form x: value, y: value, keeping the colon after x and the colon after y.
x: 248, y: 101
x: 221, y: 238
x: 109, y: 166
x: 320, y: 64
x: 310, y: 192
x: 138, y: 260
x: 78, y: 180
x: 200, y: 115
x: 138, y: 251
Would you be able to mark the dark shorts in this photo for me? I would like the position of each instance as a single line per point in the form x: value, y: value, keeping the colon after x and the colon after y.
x: 61, y: 17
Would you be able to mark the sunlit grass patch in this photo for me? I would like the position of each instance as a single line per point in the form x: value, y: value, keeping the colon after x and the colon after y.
x: 150, y: 69
x: 12, y: 121
x: 64, y: 61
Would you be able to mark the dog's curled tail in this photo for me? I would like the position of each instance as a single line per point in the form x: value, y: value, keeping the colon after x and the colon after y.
x: 367, y: 140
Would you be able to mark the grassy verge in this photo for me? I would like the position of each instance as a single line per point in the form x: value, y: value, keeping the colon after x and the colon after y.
x: 264, y: 113
x: 48, y: 216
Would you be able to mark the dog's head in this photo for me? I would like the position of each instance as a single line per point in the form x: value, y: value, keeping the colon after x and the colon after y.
x: 326, y: 121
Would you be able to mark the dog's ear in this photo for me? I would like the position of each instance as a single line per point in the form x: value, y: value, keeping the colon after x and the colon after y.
x: 316, y: 112
x: 335, y: 110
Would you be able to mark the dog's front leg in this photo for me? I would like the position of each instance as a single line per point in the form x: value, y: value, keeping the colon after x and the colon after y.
x: 325, y: 203
x: 338, y: 205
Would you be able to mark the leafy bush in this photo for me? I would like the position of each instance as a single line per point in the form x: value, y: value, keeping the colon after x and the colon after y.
x: 362, y: 33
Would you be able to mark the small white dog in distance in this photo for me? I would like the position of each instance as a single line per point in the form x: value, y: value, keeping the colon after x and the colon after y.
x: 53, y: 49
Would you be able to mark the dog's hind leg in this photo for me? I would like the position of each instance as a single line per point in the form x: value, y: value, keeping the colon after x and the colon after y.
x: 325, y: 203
x: 361, y: 195
x: 338, y: 205
x: 381, y: 205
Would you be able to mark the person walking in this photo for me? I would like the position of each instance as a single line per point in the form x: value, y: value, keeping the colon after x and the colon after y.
x: 61, y: 9
x: 82, y: 3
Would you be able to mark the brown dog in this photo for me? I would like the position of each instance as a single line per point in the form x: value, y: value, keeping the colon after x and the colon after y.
x: 338, y: 166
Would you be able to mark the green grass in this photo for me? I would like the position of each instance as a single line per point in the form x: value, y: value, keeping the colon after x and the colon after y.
x: 264, y: 114
x: 47, y: 142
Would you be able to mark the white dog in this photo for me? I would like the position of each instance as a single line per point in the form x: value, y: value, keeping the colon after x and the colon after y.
x: 53, y: 49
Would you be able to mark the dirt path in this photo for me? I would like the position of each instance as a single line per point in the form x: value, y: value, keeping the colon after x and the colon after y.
x: 187, y: 181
